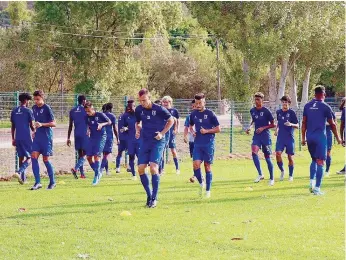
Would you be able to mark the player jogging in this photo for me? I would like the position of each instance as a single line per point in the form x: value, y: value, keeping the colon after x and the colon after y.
x: 122, y: 146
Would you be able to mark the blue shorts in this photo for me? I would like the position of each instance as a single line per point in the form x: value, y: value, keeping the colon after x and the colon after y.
x: 81, y: 142
x: 133, y: 147
x: 96, y: 146
x: 108, y: 148
x: 44, y: 147
x: 264, y: 144
x: 289, y: 145
x: 151, y: 151
x: 122, y: 146
x: 203, y: 153
x: 317, y: 146
x: 24, y: 148
x: 329, y: 140
x: 172, y: 142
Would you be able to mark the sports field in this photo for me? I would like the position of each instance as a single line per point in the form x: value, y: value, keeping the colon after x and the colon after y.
x: 76, y: 220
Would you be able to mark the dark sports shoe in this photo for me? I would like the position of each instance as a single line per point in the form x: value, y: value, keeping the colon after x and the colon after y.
x: 74, y: 172
x: 147, y: 205
x: 36, y: 186
x: 51, y: 186
x: 153, y: 203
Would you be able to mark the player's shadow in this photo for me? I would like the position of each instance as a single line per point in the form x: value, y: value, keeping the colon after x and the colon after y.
x: 49, y: 214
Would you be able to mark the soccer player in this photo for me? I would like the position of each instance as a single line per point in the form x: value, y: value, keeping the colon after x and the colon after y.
x: 263, y: 120
x: 156, y: 122
x: 132, y: 141
x: 122, y: 146
x: 167, y: 102
x: 43, y: 140
x: 206, y: 125
x: 78, y: 119
x: 287, y: 121
x: 21, y: 122
x: 188, y: 136
x: 316, y: 114
x: 329, y: 144
x: 342, y: 128
x: 96, y: 127
x: 110, y: 129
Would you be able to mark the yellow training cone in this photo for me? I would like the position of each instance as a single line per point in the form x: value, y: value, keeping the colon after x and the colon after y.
x: 125, y: 213
x: 248, y: 189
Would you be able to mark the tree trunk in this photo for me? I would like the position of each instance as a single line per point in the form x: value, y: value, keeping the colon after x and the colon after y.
x: 293, y: 89
x: 306, y: 83
x: 282, y: 84
x: 272, y: 86
x: 246, y: 72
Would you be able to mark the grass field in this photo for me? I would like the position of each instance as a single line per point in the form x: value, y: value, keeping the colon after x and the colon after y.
x: 77, y: 221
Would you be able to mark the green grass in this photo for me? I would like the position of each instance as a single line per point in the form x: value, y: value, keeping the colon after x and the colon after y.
x: 5, y: 124
x: 280, y: 222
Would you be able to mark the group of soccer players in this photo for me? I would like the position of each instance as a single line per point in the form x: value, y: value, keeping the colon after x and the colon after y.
x: 147, y: 130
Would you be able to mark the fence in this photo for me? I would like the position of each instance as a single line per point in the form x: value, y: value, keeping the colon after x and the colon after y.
x: 234, y: 118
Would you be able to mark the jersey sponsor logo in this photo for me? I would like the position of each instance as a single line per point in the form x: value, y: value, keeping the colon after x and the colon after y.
x: 261, y: 114
x: 97, y: 118
x: 205, y: 116
x: 148, y: 117
x: 153, y: 112
x: 41, y: 111
x: 200, y: 120
x: 288, y: 115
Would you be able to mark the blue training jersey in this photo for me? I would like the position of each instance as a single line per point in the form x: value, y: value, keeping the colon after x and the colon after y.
x: 317, y: 113
x: 261, y: 117
x: 78, y: 116
x: 153, y: 120
x: 328, y: 127
x: 130, y: 123
x: 21, y: 117
x: 109, y: 128
x: 93, y: 122
x: 174, y: 112
x: 187, y: 124
x: 342, y: 118
x: 43, y: 114
x: 207, y: 120
x: 122, y: 135
x: 286, y: 132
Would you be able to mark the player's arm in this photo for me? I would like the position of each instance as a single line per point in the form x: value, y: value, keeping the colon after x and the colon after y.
x: 216, y: 126
x: 138, y: 123
x: 108, y: 122
x: 261, y: 129
x: 249, y: 128
x: 342, y: 130
x: 70, y: 126
x: 177, y: 123
x: 169, y: 124
x: 13, y: 130
x: 115, y: 130
x: 304, y: 130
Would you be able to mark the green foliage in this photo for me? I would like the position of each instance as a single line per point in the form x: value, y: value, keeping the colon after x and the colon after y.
x: 87, y: 86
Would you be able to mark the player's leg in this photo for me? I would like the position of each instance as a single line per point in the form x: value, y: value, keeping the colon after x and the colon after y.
x: 266, y: 148
x: 35, y: 165
x: 321, y: 155
x: 254, y: 150
x: 278, y: 153
x: 208, y: 158
x: 121, y: 149
x: 172, y: 146
x: 24, y: 150
x: 104, y: 162
x: 313, y: 164
x: 81, y: 159
x: 328, y: 162
x: 50, y: 171
x: 132, y: 151
x: 290, y: 153
x: 143, y: 160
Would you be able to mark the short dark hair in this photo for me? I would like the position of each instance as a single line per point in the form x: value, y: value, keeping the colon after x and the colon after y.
x: 259, y: 94
x: 143, y: 91
x: 109, y: 106
x: 88, y: 104
x: 39, y: 93
x: 81, y: 98
x: 199, y: 96
x: 130, y: 101
x: 158, y: 102
x: 24, y: 96
x: 193, y: 101
x: 104, y: 108
x: 320, y: 90
x: 286, y: 98
x: 342, y: 105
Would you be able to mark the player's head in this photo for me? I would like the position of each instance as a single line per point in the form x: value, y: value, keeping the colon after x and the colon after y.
x: 320, y: 92
x: 144, y: 98
x: 38, y: 97
x: 193, y: 104
x: 167, y: 101
x: 81, y: 100
x: 259, y: 99
x: 158, y: 102
x: 285, y: 102
x: 89, y: 108
x: 130, y: 108
x: 24, y: 99
x: 109, y: 107
x: 104, y: 108
x: 200, y: 101
x: 342, y: 105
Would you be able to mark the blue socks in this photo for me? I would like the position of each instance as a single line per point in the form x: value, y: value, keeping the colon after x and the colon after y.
x: 36, y: 170
x: 328, y: 163
x: 50, y: 172
x: 176, y: 163
x: 313, y: 169
x: 270, y: 167
x: 106, y: 166
x: 155, y: 181
x: 81, y: 169
x: 145, y: 183
x: 291, y: 168
x: 198, y: 175
x: 132, y: 165
x: 208, y: 178
x: 280, y: 165
x: 257, y: 163
x: 79, y: 163
x: 24, y: 165
x: 117, y: 161
x: 97, y: 166
x: 319, y: 175
x: 103, y: 164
